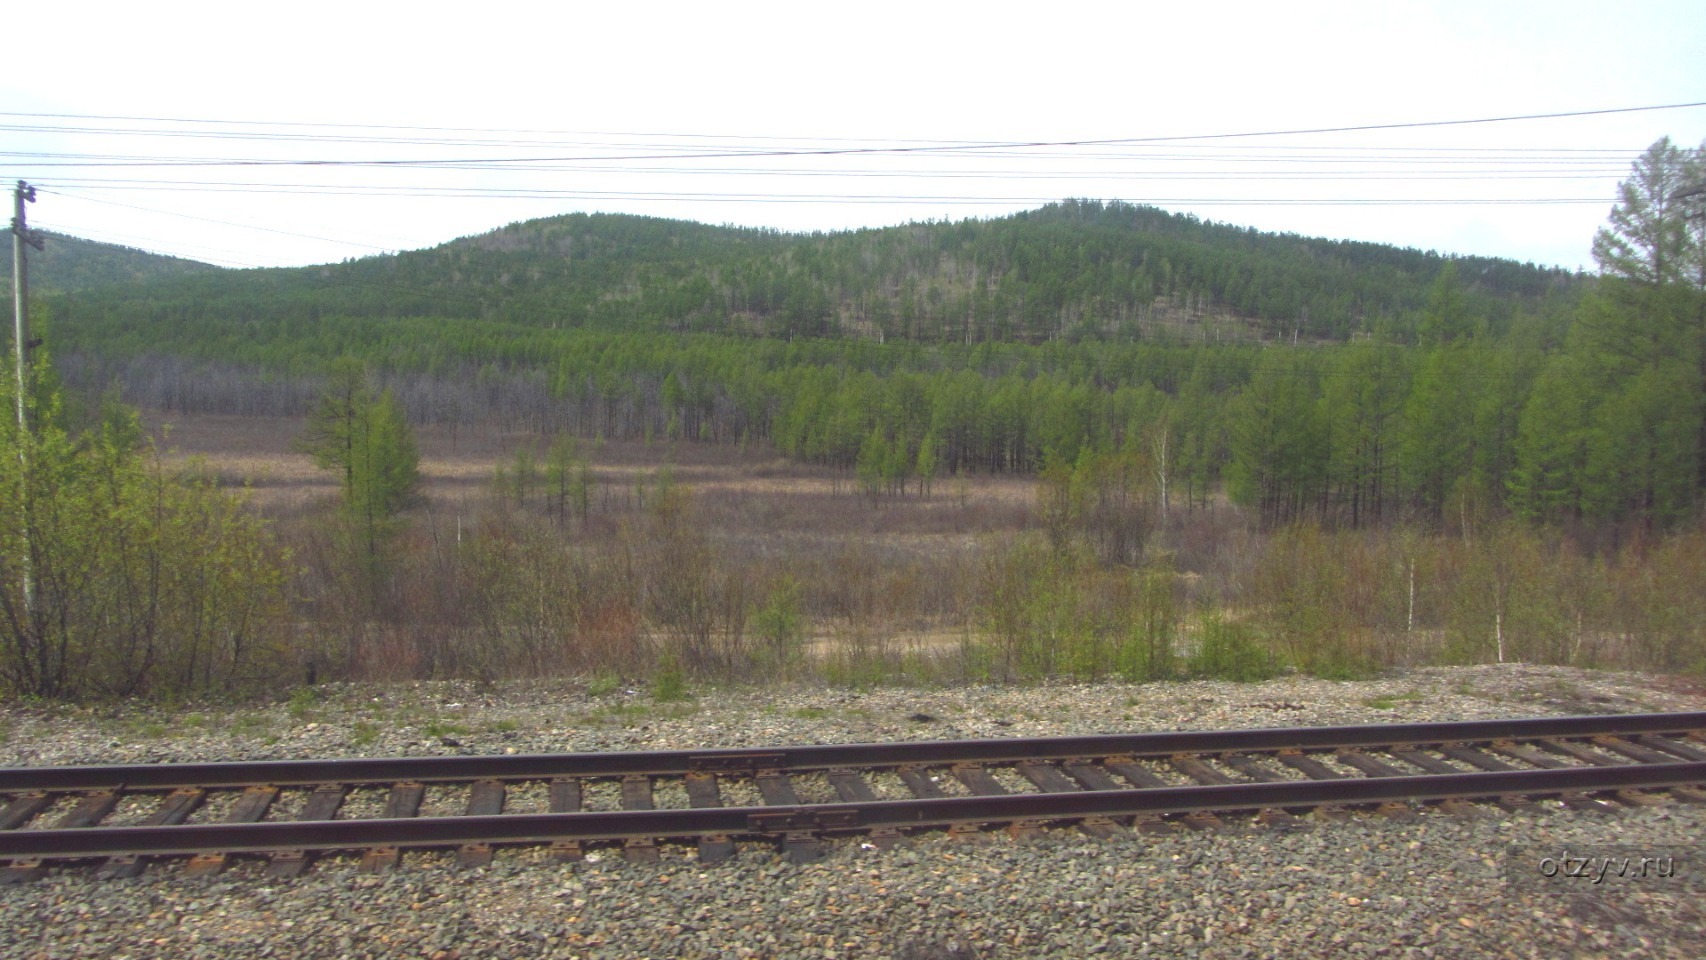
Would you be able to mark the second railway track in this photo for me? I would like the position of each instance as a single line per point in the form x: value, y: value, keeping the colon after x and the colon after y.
x: 116, y: 818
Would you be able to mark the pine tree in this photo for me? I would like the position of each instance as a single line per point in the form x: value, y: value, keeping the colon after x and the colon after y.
x: 1362, y: 405
x: 386, y: 470
x: 1649, y: 239
x: 1436, y: 446
x: 1642, y: 339
x: 367, y: 438
x: 1278, y: 442
x: 330, y: 437
x: 1551, y: 444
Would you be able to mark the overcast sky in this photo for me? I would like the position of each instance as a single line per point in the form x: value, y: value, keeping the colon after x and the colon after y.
x: 481, y: 115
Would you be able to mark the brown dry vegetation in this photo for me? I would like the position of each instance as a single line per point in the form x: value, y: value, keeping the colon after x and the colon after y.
x: 806, y: 566
x: 749, y: 487
x: 694, y: 559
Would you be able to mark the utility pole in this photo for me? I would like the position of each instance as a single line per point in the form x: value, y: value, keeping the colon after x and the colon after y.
x: 21, y: 237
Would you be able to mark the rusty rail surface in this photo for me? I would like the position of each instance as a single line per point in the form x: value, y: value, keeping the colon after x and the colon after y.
x: 1107, y: 784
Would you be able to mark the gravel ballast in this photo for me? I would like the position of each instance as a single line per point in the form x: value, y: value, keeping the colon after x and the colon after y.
x: 1440, y: 886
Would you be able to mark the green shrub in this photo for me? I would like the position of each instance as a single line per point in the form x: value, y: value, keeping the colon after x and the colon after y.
x: 143, y: 582
x: 1229, y: 651
x: 779, y: 628
x: 669, y: 683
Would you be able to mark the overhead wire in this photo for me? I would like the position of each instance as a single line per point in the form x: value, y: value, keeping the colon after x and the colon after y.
x: 227, y: 223
x: 832, y: 198
x: 970, y: 146
x: 1194, y: 158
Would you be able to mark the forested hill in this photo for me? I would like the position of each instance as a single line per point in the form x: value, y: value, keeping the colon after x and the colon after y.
x: 1062, y: 336
x: 68, y: 263
x: 1069, y: 270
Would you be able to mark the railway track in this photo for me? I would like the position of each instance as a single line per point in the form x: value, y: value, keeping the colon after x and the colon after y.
x: 118, y: 818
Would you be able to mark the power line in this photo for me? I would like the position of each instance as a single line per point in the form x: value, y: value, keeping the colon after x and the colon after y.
x: 227, y: 223
x: 1131, y: 170
x: 156, y: 246
x: 1329, y: 168
x: 832, y: 198
x: 381, y: 126
x: 934, y: 148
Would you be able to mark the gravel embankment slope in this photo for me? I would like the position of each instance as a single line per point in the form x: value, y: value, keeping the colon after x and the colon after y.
x: 1364, y: 887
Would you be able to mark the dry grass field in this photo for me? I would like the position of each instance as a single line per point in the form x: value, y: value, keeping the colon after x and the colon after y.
x: 755, y: 546
x: 763, y: 513
x: 751, y: 490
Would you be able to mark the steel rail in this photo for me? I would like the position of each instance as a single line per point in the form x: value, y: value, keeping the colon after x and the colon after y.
x: 547, y: 828
x: 287, y: 773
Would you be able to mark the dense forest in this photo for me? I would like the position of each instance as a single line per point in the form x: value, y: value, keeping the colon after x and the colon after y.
x: 1072, y: 270
x: 68, y: 263
x: 1349, y: 382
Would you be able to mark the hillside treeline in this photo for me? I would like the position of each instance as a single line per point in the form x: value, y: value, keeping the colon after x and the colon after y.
x: 1070, y: 270
x: 72, y: 263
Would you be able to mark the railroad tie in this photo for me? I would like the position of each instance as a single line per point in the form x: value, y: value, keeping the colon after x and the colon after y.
x: 1049, y: 779
x: 637, y: 795
x: 1676, y: 748
x: 566, y: 798
x: 1142, y: 778
x: 251, y: 807
x: 1091, y: 776
x: 850, y: 787
x: 485, y: 799
x: 920, y: 783
x: 403, y: 802
x: 1577, y: 751
x: 1254, y: 772
x: 1565, y: 748
x: 981, y: 783
x: 1314, y: 770
x: 90, y: 810
x: 702, y: 794
x: 1431, y: 764
x: 1206, y: 775
x: 23, y: 809
x: 1634, y: 751
x: 1375, y: 767
x: 1526, y: 753
x: 799, y: 846
x: 174, y: 808
x: 925, y: 787
x: 1482, y: 760
x: 322, y: 804
x: 1640, y: 753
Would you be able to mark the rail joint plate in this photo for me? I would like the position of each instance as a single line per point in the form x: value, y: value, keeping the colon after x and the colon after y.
x: 738, y: 762
x: 802, y: 820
